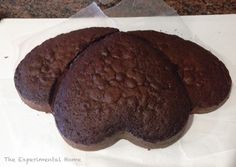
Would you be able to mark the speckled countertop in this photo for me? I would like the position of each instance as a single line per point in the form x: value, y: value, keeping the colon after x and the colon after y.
x: 66, y: 8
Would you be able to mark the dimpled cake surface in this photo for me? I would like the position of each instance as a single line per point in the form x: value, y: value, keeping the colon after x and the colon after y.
x: 120, y: 87
x: 206, y: 78
x: 36, y: 74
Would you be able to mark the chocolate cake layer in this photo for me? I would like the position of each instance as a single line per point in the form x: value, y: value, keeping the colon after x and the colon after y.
x: 120, y: 85
x: 206, y: 78
x: 38, y: 71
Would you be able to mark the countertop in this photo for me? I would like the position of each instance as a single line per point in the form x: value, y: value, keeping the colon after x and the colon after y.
x: 66, y: 8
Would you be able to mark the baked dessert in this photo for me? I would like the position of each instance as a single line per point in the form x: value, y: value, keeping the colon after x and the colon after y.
x: 102, y: 85
x: 206, y: 78
x: 37, y: 72
x: 120, y: 87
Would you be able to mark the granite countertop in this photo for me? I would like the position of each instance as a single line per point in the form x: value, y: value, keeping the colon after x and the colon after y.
x: 66, y: 8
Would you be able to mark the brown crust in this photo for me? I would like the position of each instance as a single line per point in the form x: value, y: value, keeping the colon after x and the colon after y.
x: 120, y: 84
x: 202, y: 110
x: 37, y: 72
x: 122, y: 87
x: 206, y: 78
x: 40, y: 107
x: 109, y: 141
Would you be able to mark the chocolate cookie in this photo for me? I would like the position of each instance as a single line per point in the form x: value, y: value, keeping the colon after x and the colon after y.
x: 206, y: 78
x: 120, y: 87
x: 38, y: 71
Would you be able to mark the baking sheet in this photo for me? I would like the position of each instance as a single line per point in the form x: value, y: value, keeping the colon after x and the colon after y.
x: 28, y: 134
